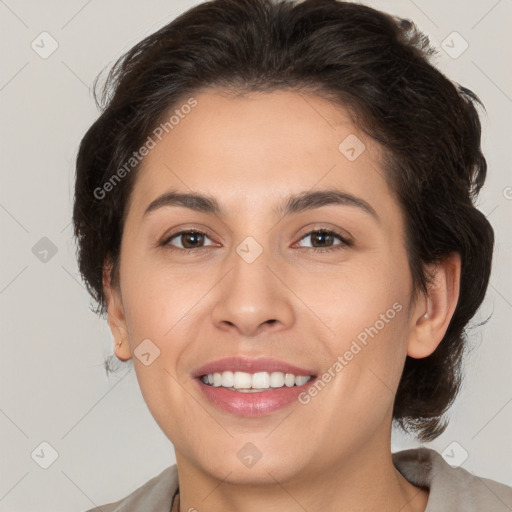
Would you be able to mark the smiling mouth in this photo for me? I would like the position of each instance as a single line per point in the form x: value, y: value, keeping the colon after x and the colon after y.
x: 258, y: 382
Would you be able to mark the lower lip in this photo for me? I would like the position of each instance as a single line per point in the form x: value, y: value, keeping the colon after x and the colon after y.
x: 261, y: 403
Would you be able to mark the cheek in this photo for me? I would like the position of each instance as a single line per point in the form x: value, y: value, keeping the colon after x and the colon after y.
x: 157, y: 310
x: 352, y: 296
x: 365, y: 309
x: 158, y: 298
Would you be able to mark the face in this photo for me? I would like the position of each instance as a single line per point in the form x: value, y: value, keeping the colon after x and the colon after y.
x: 317, y: 288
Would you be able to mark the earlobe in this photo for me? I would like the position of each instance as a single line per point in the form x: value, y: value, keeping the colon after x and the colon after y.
x: 434, y: 312
x: 116, y: 318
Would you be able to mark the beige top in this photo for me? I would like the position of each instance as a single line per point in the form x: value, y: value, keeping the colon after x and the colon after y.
x: 451, y: 489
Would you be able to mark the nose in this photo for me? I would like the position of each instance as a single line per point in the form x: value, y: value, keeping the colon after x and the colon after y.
x: 251, y: 299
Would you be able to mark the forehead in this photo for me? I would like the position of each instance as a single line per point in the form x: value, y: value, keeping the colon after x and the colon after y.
x: 260, y: 146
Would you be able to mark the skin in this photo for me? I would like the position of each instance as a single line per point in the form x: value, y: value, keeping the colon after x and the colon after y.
x: 251, y: 152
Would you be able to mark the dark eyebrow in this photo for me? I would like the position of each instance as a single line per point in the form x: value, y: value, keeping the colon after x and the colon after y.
x: 198, y: 202
x: 310, y: 200
x: 293, y: 204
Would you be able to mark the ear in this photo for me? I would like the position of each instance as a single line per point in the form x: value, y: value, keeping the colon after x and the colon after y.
x: 116, y: 318
x: 432, y: 314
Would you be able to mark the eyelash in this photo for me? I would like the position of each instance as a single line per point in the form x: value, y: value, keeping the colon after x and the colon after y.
x: 344, y: 241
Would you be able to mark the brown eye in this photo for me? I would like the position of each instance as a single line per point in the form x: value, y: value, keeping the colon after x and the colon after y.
x: 188, y: 240
x: 324, y: 240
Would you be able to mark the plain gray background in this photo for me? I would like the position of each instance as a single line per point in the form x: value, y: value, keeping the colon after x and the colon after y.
x: 54, y: 388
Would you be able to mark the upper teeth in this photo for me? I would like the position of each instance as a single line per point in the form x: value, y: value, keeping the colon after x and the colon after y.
x: 259, y: 380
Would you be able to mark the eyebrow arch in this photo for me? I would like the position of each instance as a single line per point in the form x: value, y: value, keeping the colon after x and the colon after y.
x: 292, y: 204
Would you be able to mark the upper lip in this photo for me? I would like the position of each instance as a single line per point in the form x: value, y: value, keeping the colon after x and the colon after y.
x: 250, y: 365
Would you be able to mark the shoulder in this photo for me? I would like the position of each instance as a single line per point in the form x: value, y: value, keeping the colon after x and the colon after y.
x: 155, y: 495
x: 451, y: 488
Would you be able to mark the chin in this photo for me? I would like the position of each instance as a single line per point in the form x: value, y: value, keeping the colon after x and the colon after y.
x: 260, y: 470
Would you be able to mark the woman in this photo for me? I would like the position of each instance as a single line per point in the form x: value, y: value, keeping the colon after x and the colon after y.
x: 275, y: 209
